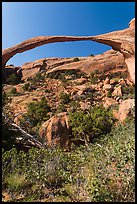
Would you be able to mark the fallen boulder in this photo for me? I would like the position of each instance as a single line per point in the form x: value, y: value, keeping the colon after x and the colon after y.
x: 55, y: 131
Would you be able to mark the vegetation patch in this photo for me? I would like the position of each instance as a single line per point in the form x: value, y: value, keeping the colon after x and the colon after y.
x: 103, y: 171
x: 36, y: 114
x: 91, y: 123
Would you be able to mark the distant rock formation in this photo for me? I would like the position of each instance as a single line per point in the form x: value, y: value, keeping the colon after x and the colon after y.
x: 122, y: 40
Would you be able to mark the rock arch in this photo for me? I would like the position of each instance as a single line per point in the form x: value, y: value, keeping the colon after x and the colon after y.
x: 122, y: 40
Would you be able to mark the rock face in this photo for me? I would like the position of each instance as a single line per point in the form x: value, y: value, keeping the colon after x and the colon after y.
x: 125, y: 108
x: 110, y: 60
x: 31, y: 68
x: 55, y: 131
x: 123, y: 41
x: 117, y: 91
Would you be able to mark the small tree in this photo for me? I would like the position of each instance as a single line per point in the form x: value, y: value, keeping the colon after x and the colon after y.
x: 36, y: 114
x: 65, y: 98
x: 92, y: 123
x: 13, y: 79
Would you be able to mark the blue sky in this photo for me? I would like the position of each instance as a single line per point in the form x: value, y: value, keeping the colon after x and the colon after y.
x: 24, y: 20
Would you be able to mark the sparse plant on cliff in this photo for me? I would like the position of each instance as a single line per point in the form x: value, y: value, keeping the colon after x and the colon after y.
x: 91, y: 55
x: 76, y: 59
x: 26, y: 87
x: 13, y: 79
x: 93, y: 78
x: 39, y: 77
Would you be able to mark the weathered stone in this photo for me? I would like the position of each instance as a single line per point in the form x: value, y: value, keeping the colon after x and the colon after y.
x: 117, y: 91
x: 31, y: 68
x: 107, y: 87
x: 55, y: 131
x: 106, y: 81
x: 125, y: 108
x: 113, y: 81
x: 109, y: 102
x: 84, y: 105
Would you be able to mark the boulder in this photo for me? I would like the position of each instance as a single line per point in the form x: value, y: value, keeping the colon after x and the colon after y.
x: 31, y: 68
x: 84, y: 105
x: 109, y: 102
x: 125, y: 108
x: 107, y: 87
x: 55, y: 131
x: 106, y: 81
x: 117, y: 91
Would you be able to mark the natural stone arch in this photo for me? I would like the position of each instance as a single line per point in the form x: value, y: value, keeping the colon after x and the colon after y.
x: 123, y: 41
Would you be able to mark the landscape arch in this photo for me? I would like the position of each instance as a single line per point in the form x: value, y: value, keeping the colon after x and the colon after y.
x: 122, y: 40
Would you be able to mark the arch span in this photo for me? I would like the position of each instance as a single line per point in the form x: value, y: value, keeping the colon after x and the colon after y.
x: 122, y: 40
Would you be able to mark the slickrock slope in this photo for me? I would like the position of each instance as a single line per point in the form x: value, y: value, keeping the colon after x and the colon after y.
x: 123, y: 41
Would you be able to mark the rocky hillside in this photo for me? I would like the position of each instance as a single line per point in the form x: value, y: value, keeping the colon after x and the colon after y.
x: 72, y: 83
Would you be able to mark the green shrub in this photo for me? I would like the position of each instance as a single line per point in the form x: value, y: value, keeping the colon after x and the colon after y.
x: 92, y: 123
x: 5, y: 98
x: 93, y: 78
x: 74, y: 106
x: 65, y: 98
x: 112, y: 162
x: 109, y: 93
x: 102, y: 172
x: 26, y: 87
x: 36, y: 113
x: 13, y: 79
x: 61, y: 108
x: 39, y: 77
x: 13, y: 91
x: 40, y: 168
x: 91, y: 55
x: 76, y: 59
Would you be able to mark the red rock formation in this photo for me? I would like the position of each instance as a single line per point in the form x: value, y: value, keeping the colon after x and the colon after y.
x: 123, y: 41
x: 125, y: 108
x: 55, y: 131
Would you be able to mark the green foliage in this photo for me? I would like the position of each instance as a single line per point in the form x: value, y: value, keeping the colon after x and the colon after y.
x: 61, y: 108
x: 15, y: 182
x: 91, y: 123
x: 39, y: 77
x: 120, y: 74
x: 73, y: 73
x: 102, y: 172
x: 91, y: 55
x: 113, y: 165
x: 65, y: 98
x: 13, y: 79
x: 13, y: 91
x: 74, y: 106
x: 76, y: 59
x: 26, y: 87
x: 109, y: 93
x: 36, y: 113
x: 93, y: 78
x: 40, y: 168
